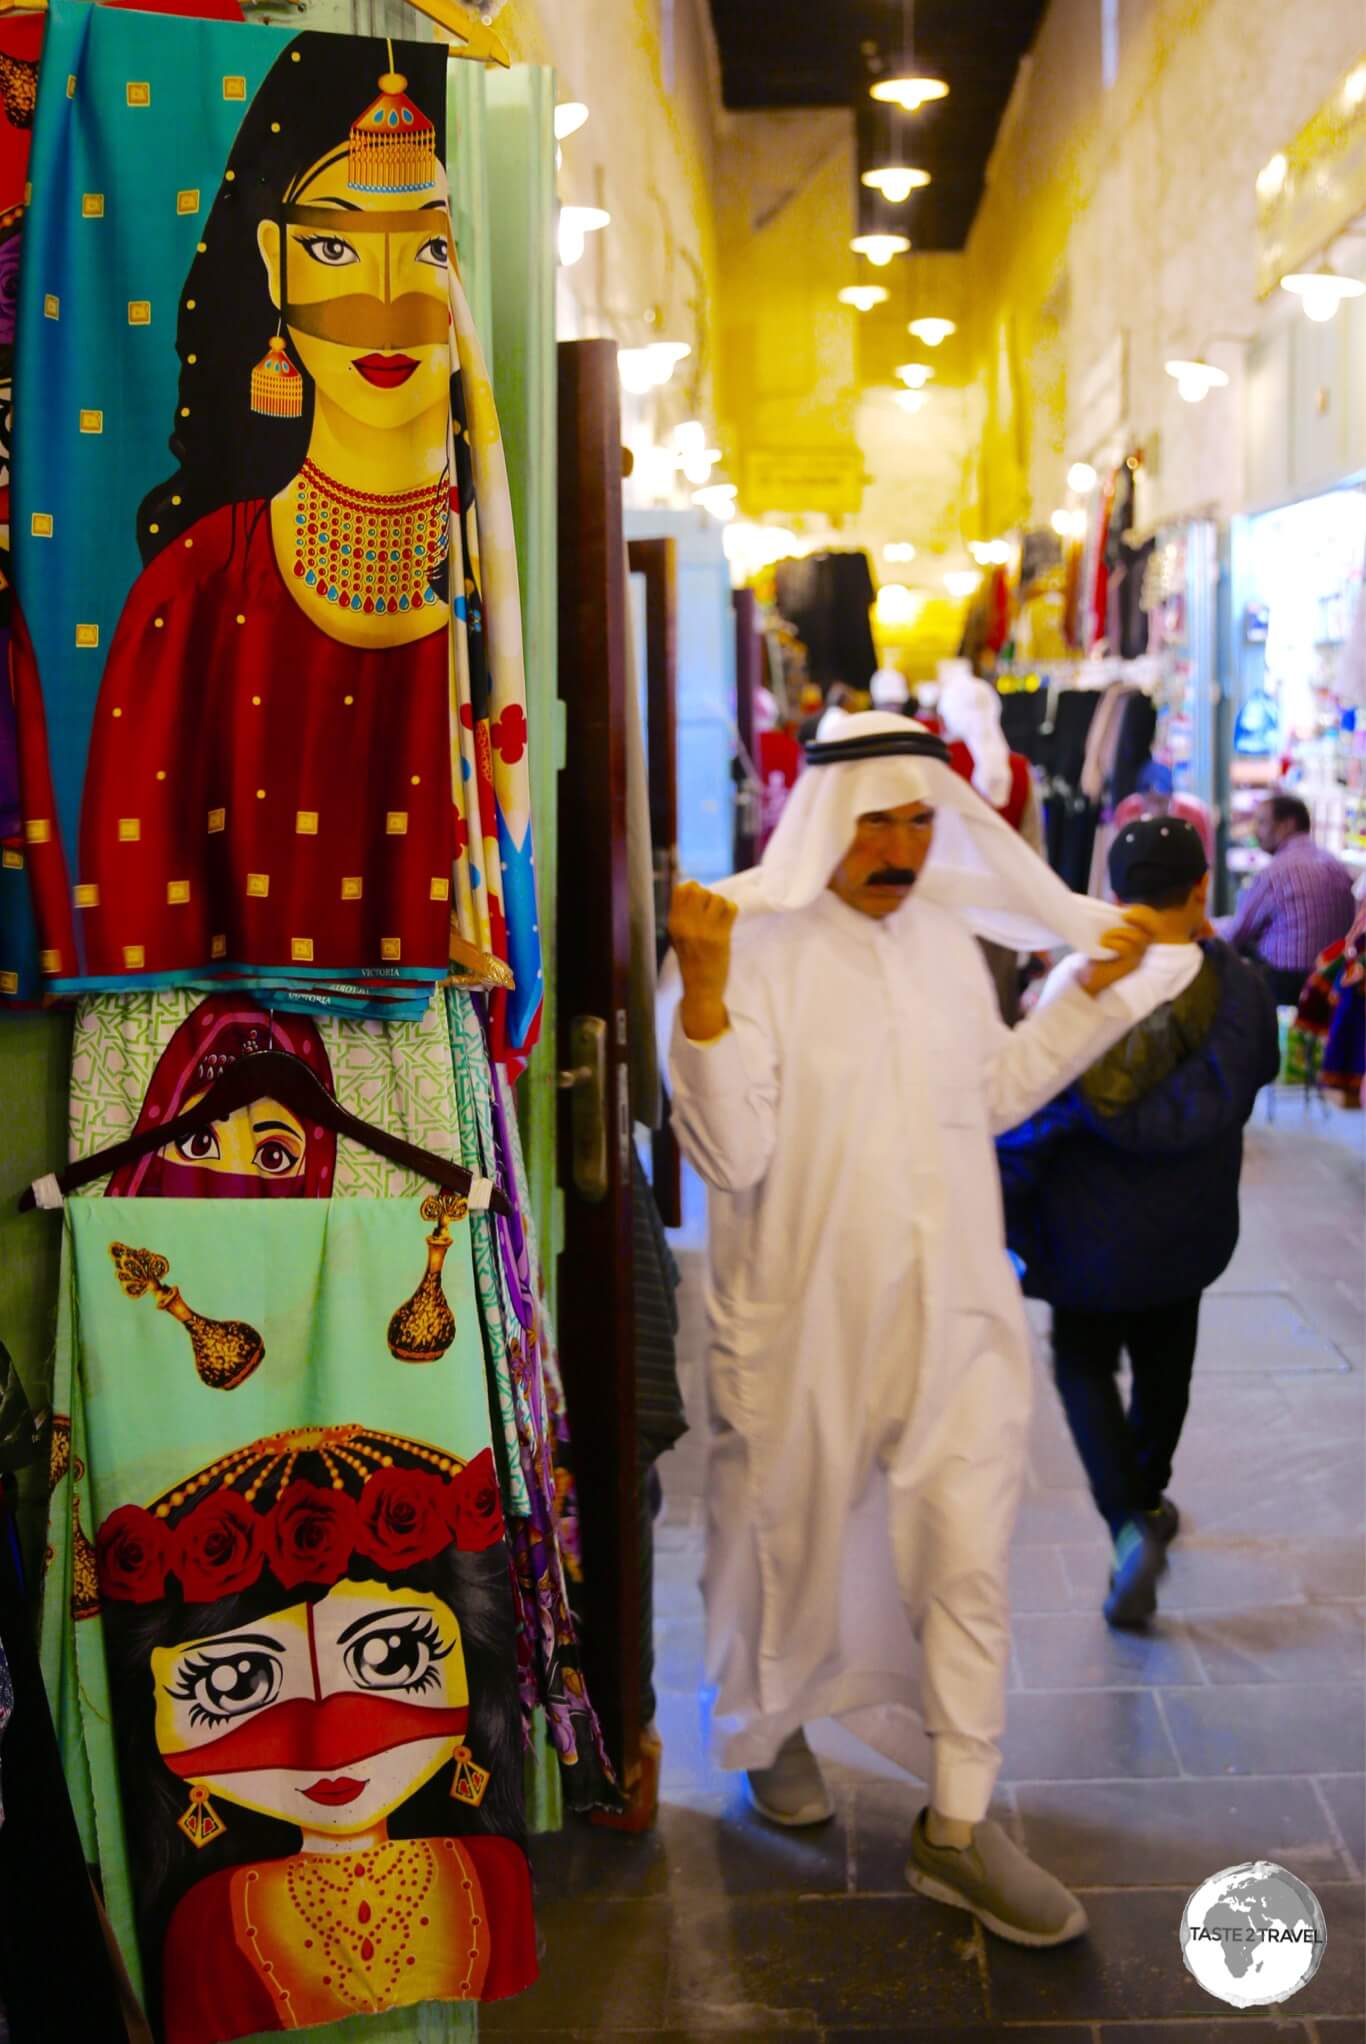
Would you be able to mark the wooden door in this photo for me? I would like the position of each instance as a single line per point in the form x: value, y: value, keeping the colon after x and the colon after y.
x: 655, y: 560
x: 749, y: 674
x: 597, y: 1348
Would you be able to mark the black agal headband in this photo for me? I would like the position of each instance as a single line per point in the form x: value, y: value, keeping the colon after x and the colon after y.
x: 877, y: 745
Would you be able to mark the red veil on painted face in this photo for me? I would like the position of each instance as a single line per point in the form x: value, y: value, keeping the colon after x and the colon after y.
x: 264, y: 1151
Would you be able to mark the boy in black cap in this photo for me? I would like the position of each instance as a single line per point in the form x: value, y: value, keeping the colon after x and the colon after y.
x: 1122, y: 1194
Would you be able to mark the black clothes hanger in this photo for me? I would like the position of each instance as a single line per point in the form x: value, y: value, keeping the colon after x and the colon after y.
x: 276, y: 1075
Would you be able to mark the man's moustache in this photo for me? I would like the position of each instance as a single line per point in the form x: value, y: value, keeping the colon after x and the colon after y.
x: 891, y: 876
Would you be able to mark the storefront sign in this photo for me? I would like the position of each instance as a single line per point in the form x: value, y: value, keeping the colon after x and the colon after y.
x: 1311, y: 190
x: 795, y: 479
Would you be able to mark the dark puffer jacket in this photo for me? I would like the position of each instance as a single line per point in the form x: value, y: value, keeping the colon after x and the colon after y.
x: 1123, y: 1192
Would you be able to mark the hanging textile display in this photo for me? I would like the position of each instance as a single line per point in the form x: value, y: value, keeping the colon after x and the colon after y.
x: 243, y: 728
x: 20, y: 46
x: 550, y: 1670
x: 277, y: 1622
x: 142, y: 1059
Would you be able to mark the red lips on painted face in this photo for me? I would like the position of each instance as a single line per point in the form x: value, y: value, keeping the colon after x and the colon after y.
x: 386, y: 372
x: 333, y: 1794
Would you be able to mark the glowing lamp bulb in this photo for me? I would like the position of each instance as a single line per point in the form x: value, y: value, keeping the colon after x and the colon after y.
x: 931, y: 331
x: 570, y: 116
x: 915, y: 375
x: 895, y: 181
x: 910, y: 94
x: 1081, y: 478
x: 898, y: 550
x: 912, y: 400
x: 1321, y: 292
x: 576, y: 224
x: 863, y: 297
x: 879, y: 248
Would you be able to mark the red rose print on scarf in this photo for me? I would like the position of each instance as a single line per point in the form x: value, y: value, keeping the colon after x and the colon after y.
x: 312, y: 1534
x: 131, y: 1553
x: 220, y: 1548
x: 401, y: 1519
x: 474, y: 1509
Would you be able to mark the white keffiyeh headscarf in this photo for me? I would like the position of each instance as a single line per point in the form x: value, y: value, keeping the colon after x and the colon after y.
x: 978, y: 866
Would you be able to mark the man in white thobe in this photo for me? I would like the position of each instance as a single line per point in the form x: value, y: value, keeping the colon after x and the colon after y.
x: 838, y: 1071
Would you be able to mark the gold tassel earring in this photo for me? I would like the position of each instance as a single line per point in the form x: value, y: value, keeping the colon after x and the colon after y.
x: 200, y: 1822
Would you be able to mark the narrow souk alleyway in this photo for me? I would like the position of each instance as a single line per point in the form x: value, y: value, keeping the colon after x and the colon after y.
x: 1135, y: 1765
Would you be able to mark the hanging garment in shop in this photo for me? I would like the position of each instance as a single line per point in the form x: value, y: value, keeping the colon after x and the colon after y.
x: 1069, y: 815
x: 21, y: 38
x: 138, y: 1060
x: 827, y: 597
x: 277, y: 1623
x: 343, y: 789
x: 515, y: 1343
x: 46, y: 1991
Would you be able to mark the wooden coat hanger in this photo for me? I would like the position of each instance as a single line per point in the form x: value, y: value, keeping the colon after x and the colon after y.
x: 276, y: 1075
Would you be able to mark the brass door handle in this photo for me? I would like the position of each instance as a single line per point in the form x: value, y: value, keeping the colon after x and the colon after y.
x: 586, y: 1082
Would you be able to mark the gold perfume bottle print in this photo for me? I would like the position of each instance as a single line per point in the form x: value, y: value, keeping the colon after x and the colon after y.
x: 424, y: 1326
x: 225, y: 1351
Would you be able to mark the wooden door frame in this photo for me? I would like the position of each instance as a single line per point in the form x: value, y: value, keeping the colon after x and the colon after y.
x: 597, y: 1332
x: 657, y: 561
x: 748, y: 675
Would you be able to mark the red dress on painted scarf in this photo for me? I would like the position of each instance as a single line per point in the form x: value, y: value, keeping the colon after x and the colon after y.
x: 256, y: 792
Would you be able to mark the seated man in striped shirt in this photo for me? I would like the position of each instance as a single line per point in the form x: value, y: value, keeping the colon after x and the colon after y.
x: 1296, y: 907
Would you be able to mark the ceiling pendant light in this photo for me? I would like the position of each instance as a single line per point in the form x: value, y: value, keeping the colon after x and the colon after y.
x: 1195, y: 379
x: 1322, y: 291
x: 570, y: 116
x: 576, y: 224
x: 899, y: 550
x: 648, y: 368
x: 895, y: 182
x: 1081, y: 478
x: 880, y: 248
x: 911, y: 88
x: 915, y: 375
x: 863, y: 297
x: 909, y: 93
x: 912, y: 400
x: 962, y: 583
x: 931, y: 331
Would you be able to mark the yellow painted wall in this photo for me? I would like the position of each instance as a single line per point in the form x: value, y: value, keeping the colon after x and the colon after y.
x: 1134, y: 208
x: 648, y: 73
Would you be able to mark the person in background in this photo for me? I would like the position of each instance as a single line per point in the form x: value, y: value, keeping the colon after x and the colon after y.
x: 1122, y: 1195
x: 837, y: 697
x: 889, y: 691
x: 837, y: 1065
x: 1296, y: 907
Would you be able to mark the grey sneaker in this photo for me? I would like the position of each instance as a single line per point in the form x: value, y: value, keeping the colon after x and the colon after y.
x: 998, y: 1883
x: 791, y: 1791
x: 1165, y: 1520
x: 1140, y: 1562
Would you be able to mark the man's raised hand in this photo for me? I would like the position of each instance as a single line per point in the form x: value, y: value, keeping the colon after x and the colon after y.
x: 700, y: 930
x: 1128, y: 943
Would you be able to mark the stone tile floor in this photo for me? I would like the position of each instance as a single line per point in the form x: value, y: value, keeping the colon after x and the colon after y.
x: 1134, y: 1766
